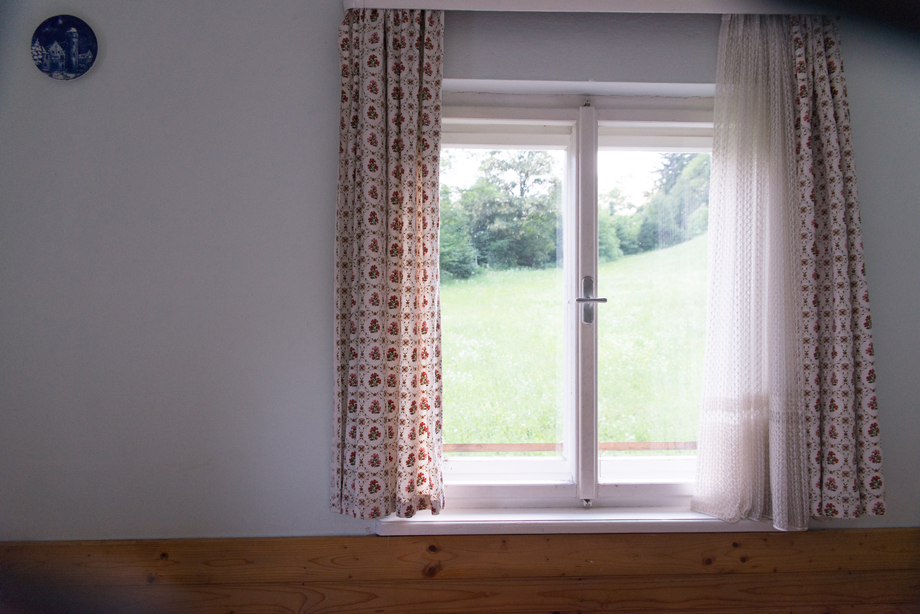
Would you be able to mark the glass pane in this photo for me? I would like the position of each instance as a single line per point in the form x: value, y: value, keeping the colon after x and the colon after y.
x: 652, y: 222
x: 501, y: 301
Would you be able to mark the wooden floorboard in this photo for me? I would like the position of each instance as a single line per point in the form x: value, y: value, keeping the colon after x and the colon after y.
x: 821, y: 572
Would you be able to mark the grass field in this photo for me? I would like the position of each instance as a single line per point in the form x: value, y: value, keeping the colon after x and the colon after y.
x: 502, y: 338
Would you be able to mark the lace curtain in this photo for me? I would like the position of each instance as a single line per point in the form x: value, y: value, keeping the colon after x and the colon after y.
x: 387, y: 451
x: 788, y: 423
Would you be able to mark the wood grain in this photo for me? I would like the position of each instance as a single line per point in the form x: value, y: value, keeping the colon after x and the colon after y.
x: 201, y: 561
x: 751, y: 593
x: 820, y: 572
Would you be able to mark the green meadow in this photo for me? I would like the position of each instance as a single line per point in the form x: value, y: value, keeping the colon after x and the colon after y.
x: 502, y: 340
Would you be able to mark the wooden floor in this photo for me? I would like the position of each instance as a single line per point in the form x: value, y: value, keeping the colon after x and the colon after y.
x: 820, y: 572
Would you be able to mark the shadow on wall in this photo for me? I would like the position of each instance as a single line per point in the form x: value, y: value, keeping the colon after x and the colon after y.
x: 7, y: 44
x: 903, y: 15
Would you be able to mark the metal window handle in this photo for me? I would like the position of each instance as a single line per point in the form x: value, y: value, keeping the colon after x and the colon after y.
x: 587, y: 289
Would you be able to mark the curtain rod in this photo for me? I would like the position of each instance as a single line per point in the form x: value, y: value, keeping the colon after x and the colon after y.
x: 750, y: 7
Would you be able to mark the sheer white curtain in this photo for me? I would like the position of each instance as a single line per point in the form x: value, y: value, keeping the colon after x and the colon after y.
x: 752, y: 446
x: 787, y: 309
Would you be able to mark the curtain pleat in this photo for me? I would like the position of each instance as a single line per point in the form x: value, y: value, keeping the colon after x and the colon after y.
x: 387, y: 437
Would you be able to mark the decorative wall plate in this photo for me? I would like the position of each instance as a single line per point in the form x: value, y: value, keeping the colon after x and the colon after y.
x: 64, y: 47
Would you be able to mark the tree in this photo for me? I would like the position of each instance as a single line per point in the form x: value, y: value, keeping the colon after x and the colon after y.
x: 615, y: 202
x: 678, y: 210
x: 627, y: 229
x: 672, y: 164
x: 693, y: 185
x: 512, y: 209
x: 37, y: 52
x: 608, y: 240
x: 458, y: 257
x: 647, y: 237
x: 522, y: 172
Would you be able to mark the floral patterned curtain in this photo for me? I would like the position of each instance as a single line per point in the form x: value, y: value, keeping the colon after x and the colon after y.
x: 387, y: 426
x: 845, y: 460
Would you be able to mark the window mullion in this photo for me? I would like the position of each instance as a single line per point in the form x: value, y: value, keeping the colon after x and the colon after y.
x: 586, y: 336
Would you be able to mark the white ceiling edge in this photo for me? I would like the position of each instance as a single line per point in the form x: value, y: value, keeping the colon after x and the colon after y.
x: 583, y: 88
x: 592, y: 6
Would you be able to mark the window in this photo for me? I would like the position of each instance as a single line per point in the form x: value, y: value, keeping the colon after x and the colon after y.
x: 651, y: 335
x: 549, y: 401
x: 504, y: 197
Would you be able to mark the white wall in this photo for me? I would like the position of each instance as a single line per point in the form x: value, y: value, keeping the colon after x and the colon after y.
x: 166, y: 252
x: 883, y: 83
x: 166, y: 272
x: 581, y: 47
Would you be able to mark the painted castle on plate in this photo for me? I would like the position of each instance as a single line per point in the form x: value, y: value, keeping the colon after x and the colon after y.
x: 64, y: 47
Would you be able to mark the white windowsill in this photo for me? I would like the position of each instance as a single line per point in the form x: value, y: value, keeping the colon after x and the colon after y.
x: 540, y: 521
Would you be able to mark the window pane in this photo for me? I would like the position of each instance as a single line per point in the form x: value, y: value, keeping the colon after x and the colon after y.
x: 501, y: 301
x: 652, y: 222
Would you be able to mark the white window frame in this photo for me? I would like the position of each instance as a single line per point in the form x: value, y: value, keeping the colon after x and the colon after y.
x: 544, y: 494
x: 478, y: 482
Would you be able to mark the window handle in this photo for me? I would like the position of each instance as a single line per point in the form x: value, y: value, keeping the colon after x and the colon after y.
x: 588, y: 298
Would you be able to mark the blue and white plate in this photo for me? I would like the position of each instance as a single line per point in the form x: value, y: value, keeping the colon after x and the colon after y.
x: 64, y: 47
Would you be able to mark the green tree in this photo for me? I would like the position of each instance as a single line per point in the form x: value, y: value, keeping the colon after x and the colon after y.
x: 608, y: 240
x: 521, y: 173
x: 678, y: 210
x: 647, y: 236
x: 512, y: 209
x: 672, y: 165
x: 615, y: 202
x: 693, y: 188
x: 458, y: 257
x: 627, y: 229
